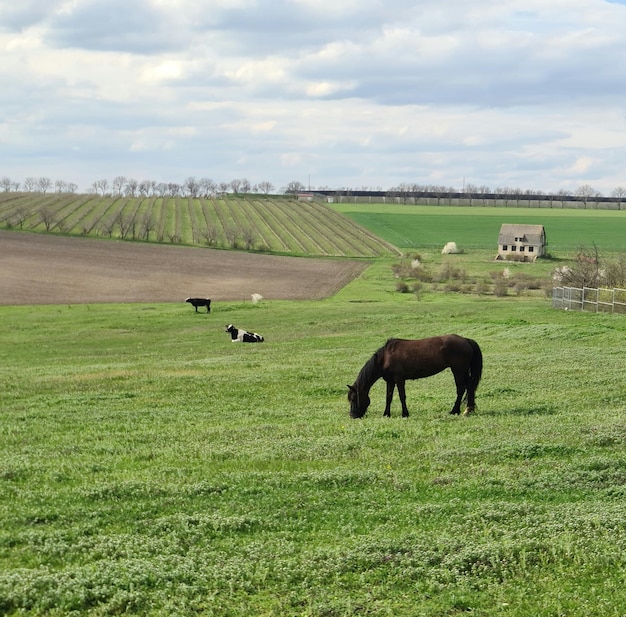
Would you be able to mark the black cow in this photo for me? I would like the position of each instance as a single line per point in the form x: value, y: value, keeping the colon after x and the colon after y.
x: 196, y: 302
x: 241, y: 336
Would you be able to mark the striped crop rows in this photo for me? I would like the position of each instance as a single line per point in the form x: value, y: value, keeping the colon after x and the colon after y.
x: 274, y: 225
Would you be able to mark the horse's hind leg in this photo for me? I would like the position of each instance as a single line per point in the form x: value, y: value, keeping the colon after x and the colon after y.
x: 390, y: 386
x: 471, y: 400
x: 402, y: 395
x: 460, y: 379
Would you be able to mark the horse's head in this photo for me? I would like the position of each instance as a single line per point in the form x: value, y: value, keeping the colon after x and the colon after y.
x: 359, y: 402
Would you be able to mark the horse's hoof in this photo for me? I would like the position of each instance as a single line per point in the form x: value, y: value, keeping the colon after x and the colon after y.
x: 468, y: 412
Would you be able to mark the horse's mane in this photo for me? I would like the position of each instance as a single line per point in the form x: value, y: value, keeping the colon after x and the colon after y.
x: 371, y: 370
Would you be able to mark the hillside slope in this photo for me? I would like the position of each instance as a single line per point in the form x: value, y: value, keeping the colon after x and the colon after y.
x: 272, y: 225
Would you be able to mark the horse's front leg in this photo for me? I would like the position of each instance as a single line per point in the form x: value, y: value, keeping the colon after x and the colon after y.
x: 402, y: 395
x: 390, y: 387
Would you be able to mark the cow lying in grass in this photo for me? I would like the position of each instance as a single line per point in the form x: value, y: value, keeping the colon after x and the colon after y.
x: 241, y: 336
x: 196, y: 302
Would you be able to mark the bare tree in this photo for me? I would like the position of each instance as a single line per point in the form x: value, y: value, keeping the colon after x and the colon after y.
x: 20, y: 216
x: 131, y: 187
x: 47, y: 218
x: 118, y: 184
x: 6, y: 184
x: 589, y: 269
x: 245, y: 185
x: 59, y: 186
x: 71, y: 187
x: 210, y: 234
x: 29, y: 184
x: 105, y: 227
x: 146, y: 187
x: 620, y: 193
x: 146, y: 225
x: 236, y: 185
x: 207, y: 187
x: 563, y: 195
x: 223, y: 187
x: 586, y: 192
x: 294, y: 187
x: 44, y: 184
x: 231, y: 236
x: 247, y: 234
x: 173, y: 189
x: 191, y: 186
x: 266, y: 187
x: 470, y: 192
x: 101, y: 186
x: 125, y: 222
x: 584, y: 271
x: 484, y: 191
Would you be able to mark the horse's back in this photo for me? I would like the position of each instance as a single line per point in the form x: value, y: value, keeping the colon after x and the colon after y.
x: 417, y: 358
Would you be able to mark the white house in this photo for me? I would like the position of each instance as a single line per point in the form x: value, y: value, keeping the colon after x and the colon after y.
x: 521, y: 242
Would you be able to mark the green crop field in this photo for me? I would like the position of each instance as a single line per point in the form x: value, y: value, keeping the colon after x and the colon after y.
x: 417, y: 227
x: 274, y: 225
x: 287, y: 226
x: 148, y: 466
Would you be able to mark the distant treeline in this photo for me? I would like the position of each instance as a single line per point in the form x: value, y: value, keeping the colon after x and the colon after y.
x: 455, y: 198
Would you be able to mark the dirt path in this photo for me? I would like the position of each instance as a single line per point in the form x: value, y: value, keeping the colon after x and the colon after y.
x: 49, y: 269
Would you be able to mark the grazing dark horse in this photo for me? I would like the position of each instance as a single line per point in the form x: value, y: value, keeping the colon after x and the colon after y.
x: 400, y: 359
x: 238, y: 335
x: 196, y: 302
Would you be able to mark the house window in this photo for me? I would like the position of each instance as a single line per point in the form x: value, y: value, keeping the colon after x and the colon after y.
x: 513, y: 248
x: 505, y: 247
x: 531, y: 249
x: 521, y: 249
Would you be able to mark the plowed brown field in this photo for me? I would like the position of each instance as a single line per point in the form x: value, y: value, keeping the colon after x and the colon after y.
x: 49, y: 269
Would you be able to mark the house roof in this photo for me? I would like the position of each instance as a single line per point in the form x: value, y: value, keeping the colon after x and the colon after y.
x: 533, y: 234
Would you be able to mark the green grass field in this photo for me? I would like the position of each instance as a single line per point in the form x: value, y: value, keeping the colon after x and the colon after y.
x: 148, y: 466
x: 418, y: 227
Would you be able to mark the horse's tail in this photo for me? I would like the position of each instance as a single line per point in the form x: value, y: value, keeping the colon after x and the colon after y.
x: 476, y: 366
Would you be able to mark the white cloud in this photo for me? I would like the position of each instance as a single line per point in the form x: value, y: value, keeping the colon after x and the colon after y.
x: 364, y: 93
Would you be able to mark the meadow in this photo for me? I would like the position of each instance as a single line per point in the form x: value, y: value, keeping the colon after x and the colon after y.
x: 148, y: 466
x: 418, y: 227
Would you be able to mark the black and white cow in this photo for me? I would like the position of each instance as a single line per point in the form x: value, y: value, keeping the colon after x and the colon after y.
x: 241, y: 336
x: 196, y: 302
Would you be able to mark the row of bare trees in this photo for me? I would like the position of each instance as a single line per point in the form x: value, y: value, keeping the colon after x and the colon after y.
x: 207, y: 187
x: 40, y: 185
x: 584, y: 191
x: 130, y: 187
x: 191, y: 187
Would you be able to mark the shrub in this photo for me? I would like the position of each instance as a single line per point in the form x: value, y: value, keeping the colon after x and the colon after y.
x: 481, y: 287
x: 501, y: 289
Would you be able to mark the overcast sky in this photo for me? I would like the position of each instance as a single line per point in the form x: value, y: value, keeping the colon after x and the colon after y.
x: 336, y: 93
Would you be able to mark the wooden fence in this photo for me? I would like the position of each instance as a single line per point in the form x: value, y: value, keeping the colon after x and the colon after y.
x: 589, y: 299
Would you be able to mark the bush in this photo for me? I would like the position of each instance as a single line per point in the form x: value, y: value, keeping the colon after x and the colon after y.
x: 500, y: 289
